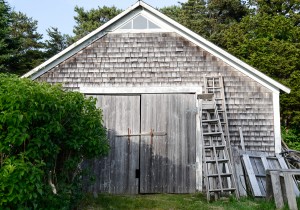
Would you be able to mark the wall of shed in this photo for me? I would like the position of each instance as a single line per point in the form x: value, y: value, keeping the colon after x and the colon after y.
x: 167, y: 59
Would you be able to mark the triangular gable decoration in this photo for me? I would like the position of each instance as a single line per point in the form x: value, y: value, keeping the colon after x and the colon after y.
x: 140, y: 23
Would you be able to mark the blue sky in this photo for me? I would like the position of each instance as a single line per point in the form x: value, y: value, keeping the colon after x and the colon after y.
x: 60, y: 13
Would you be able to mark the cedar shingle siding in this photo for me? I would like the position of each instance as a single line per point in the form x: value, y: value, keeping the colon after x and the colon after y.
x: 167, y: 59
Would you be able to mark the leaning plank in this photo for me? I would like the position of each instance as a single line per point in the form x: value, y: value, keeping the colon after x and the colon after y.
x: 242, y: 139
x: 265, y: 162
x: 239, y: 173
x: 284, y: 166
x: 251, y: 175
x: 274, y: 188
x: 291, y: 197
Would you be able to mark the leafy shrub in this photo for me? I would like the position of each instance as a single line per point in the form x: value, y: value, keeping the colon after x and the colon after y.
x: 292, y: 138
x: 45, y: 132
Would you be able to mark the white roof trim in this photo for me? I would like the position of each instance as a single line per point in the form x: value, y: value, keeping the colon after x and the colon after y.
x: 191, y: 36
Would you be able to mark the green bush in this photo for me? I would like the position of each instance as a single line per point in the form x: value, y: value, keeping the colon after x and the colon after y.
x: 45, y: 133
x: 291, y: 137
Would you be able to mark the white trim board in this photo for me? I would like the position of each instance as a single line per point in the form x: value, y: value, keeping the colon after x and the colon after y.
x: 140, y: 90
x: 277, y: 127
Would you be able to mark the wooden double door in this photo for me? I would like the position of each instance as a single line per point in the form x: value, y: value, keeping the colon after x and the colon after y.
x: 152, y: 144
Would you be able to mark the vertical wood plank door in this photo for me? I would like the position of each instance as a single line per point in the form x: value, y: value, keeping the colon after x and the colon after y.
x: 167, y: 163
x: 116, y: 173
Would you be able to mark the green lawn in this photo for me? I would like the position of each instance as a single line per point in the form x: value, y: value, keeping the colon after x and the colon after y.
x: 172, y: 201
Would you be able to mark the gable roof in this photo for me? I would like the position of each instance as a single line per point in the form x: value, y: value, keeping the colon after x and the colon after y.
x: 141, y: 7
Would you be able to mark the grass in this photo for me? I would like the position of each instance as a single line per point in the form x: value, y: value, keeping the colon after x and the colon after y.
x: 172, y: 202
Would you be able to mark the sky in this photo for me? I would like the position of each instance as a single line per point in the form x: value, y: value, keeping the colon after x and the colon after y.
x: 60, y: 13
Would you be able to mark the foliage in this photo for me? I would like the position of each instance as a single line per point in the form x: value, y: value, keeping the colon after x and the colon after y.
x: 266, y: 42
x: 87, y: 21
x: 271, y: 44
x: 30, y: 46
x: 20, y: 183
x: 207, y: 18
x: 21, y: 48
x: 269, y: 40
x: 173, y: 12
x: 56, y: 42
x: 45, y: 133
x: 8, y: 46
x: 291, y: 138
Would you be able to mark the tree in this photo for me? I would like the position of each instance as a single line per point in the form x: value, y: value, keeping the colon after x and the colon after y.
x: 56, y: 42
x: 45, y: 133
x: 286, y: 8
x: 87, y: 21
x: 208, y: 18
x: 173, y: 12
x: 30, y: 46
x: 227, y: 11
x: 270, y: 42
x: 21, y: 47
x: 8, y: 46
x: 266, y: 42
x: 194, y: 16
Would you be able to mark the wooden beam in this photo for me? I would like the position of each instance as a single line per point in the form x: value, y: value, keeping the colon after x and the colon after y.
x: 251, y: 175
x: 242, y: 138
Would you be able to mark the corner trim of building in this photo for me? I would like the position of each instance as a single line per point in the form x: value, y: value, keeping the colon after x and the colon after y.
x: 277, y: 127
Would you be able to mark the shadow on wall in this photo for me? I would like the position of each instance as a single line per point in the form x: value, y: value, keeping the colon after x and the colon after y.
x: 142, y: 164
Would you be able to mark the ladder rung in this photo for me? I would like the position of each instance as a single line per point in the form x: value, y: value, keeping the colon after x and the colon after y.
x: 223, y: 190
x: 208, y: 109
x: 210, y: 121
x: 219, y: 160
x: 212, y: 175
x: 222, y: 175
x: 212, y: 133
x: 229, y: 189
x: 215, y: 190
x: 213, y: 87
x: 226, y: 174
x: 217, y: 147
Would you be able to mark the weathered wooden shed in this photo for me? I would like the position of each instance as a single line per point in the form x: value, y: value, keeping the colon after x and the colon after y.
x: 146, y: 71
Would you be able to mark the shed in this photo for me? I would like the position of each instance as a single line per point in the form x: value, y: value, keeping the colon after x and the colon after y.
x: 146, y: 71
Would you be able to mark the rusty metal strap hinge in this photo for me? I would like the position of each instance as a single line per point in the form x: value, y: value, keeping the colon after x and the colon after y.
x: 144, y: 134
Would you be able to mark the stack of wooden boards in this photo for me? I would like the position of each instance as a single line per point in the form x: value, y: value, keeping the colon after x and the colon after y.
x: 254, y: 171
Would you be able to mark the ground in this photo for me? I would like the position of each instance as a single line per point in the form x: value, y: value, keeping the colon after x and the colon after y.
x: 172, y: 202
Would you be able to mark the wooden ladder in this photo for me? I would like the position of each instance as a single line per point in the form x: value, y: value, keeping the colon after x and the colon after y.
x: 214, y: 84
x: 218, y: 171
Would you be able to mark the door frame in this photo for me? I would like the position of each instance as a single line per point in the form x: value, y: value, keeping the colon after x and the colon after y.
x: 160, y: 90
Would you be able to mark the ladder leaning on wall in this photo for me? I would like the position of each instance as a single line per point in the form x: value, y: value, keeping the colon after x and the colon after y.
x: 214, y: 84
x: 218, y: 170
